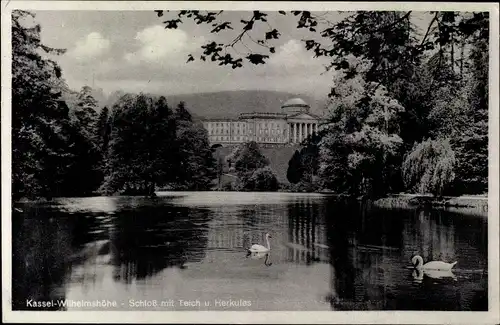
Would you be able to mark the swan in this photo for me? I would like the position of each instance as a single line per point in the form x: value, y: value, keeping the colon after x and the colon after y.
x: 256, y: 248
x: 418, y: 261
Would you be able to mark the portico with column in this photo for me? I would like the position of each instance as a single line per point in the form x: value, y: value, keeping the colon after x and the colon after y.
x: 300, y: 129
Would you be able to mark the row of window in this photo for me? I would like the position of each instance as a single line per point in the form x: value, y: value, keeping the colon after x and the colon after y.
x: 222, y: 138
x: 243, y: 125
x: 273, y: 132
x: 259, y: 139
x: 225, y: 125
x: 219, y: 131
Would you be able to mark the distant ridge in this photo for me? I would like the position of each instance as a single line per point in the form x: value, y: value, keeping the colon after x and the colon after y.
x: 224, y: 104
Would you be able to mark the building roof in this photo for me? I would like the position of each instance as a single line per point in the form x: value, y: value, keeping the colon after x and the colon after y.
x: 295, y: 102
x: 269, y: 115
x: 303, y: 116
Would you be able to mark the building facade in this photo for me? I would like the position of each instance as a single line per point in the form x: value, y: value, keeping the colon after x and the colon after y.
x: 294, y: 124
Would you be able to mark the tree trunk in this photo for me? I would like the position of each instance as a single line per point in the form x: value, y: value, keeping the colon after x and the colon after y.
x: 462, y: 60
x: 152, y: 189
x: 452, y: 54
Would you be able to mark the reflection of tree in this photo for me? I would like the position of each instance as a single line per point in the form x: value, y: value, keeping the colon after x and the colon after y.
x: 50, y: 244
x: 371, y: 248
x: 362, y: 240
x: 430, y: 235
x: 47, y: 244
x: 148, y: 239
x: 40, y: 250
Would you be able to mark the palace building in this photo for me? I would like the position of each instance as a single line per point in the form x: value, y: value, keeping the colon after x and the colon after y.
x: 292, y: 125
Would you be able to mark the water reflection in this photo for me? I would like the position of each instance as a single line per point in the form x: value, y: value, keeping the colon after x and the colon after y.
x: 371, y: 253
x: 325, y: 254
x: 147, y: 240
x: 306, y: 232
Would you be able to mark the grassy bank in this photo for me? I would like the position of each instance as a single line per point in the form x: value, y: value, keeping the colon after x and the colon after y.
x: 468, y: 204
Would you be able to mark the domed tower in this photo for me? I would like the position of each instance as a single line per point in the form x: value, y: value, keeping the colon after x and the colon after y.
x: 295, y: 105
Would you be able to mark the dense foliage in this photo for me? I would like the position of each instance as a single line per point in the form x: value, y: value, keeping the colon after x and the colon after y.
x: 252, y: 168
x: 303, y: 167
x: 43, y: 136
x: 152, y: 146
x: 429, y: 168
x: 64, y: 144
x: 398, y: 95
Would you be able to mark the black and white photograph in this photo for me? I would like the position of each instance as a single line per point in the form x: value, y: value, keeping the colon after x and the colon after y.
x: 244, y: 157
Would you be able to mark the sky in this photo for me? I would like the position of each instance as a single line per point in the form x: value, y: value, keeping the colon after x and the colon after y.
x: 133, y: 52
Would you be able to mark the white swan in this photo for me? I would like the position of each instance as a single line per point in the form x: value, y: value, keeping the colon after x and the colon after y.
x: 256, y: 248
x: 418, y: 261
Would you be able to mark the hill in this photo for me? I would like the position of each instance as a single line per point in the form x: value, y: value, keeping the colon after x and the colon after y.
x: 229, y: 104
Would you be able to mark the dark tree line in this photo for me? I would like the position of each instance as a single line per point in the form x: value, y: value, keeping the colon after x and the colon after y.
x: 63, y: 144
x: 402, y: 100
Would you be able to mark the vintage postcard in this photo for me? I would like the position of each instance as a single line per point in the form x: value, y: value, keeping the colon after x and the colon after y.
x: 250, y: 162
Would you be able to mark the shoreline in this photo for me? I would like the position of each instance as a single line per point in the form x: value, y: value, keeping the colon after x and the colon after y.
x: 465, y: 203
x: 391, y: 200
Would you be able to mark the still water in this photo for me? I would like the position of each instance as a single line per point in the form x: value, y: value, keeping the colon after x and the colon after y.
x: 134, y: 253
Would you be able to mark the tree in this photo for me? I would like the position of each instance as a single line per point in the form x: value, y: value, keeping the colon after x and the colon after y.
x: 86, y: 112
x: 248, y: 158
x: 429, y: 168
x: 86, y: 172
x: 103, y: 130
x: 198, y: 167
x: 182, y: 114
x: 362, y: 138
x: 471, y: 142
x: 309, y: 156
x: 40, y: 120
x: 142, y: 132
x: 151, y: 146
x: 262, y: 179
x: 304, y: 164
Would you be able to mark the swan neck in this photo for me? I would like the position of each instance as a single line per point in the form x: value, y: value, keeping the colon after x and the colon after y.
x: 268, y: 243
x: 420, y: 261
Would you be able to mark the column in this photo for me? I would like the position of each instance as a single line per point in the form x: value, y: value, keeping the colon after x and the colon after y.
x: 299, y: 132
x: 301, y: 129
x: 316, y: 128
x: 295, y: 132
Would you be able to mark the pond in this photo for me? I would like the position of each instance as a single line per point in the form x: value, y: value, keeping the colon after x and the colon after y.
x: 188, y: 251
